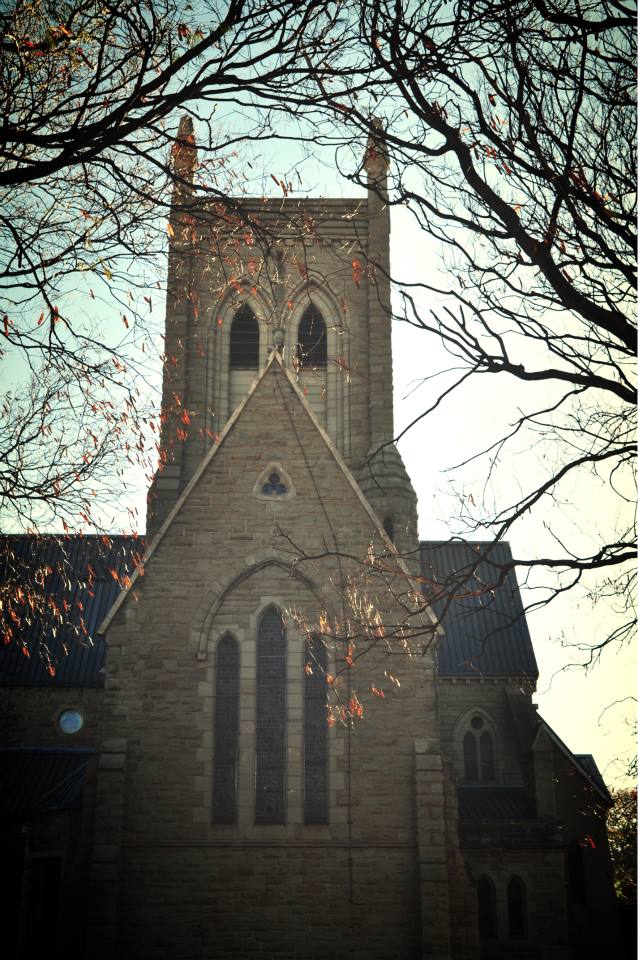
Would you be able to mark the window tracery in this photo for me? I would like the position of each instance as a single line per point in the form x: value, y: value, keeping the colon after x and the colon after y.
x: 270, y: 758
x: 478, y: 750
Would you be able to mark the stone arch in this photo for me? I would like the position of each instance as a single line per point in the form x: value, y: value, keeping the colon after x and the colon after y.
x: 464, y: 728
x: 333, y: 408
x: 217, y: 390
x: 218, y: 593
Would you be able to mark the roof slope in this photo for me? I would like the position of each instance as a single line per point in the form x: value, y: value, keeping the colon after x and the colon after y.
x: 41, y: 780
x: 486, y: 632
x: 485, y: 635
x: 55, y: 592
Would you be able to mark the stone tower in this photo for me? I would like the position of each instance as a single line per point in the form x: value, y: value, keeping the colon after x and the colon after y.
x: 267, y: 783
x: 310, y: 278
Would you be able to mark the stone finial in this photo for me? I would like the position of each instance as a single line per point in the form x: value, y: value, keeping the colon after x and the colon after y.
x: 184, y: 152
x: 376, y: 160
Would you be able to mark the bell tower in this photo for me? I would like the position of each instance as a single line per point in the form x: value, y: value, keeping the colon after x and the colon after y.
x: 308, y: 277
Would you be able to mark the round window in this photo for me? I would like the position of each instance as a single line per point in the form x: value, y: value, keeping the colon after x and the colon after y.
x: 476, y: 723
x: 70, y: 721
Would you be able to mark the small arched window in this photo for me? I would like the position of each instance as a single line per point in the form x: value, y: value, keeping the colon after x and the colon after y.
x: 315, y: 732
x: 312, y: 339
x: 516, y: 909
x: 226, y: 732
x: 487, y: 922
x: 270, y: 760
x: 576, y: 873
x: 388, y: 526
x: 244, y: 340
x: 478, y: 751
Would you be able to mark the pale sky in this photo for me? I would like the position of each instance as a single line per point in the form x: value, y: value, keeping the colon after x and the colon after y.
x: 593, y: 711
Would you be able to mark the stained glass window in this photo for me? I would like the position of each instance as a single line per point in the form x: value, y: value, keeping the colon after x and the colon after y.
x: 273, y: 487
x: 315, y: 733
x: 270, y: 768
x: 226, y: 733
x: 478, y: 751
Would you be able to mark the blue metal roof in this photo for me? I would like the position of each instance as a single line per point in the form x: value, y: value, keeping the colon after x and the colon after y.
x: 475, y: 594
x: 40, y: 780
x: 55, y: 592
x: 494, y: 803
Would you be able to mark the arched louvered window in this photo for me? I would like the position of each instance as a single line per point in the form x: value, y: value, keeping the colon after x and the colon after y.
x: 270, y: 766
x: 516, y: 909
x: 226, y: 732
x: 315, y: 733
x: 312, y: 340
x: 478, y: 751
x: 487, y: 922
x: 244, y: 340
x: 486, y: 752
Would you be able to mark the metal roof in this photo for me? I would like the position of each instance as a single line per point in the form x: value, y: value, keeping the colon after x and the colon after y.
x: 41, y: 780
x: 60, y: 588
x: 480, y: 608
x: 588, y: 764
x: 56, y: 590
x: 494, y: 803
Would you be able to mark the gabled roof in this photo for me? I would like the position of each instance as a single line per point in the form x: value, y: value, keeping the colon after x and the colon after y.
x: 276, y: 364
x: 481, y: 611
x: 56, y: 589
x: 584, y: 763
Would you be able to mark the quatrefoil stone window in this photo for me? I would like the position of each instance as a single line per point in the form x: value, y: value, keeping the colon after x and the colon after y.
x: 274, y: 484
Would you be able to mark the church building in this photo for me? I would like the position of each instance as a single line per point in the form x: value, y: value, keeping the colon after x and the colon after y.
x: 256, y: 733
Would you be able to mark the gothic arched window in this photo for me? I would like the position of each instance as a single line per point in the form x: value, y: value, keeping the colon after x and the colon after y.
x: 244, y: 340
x: 478, y: 751
x: 486, y: 895
x: 270, y: 760
x: 315, y: 733
x: 388, y: 526
x: 576, y: 880
x: 516, y: 909
x: 312, y: 339
x: 226, y: 732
